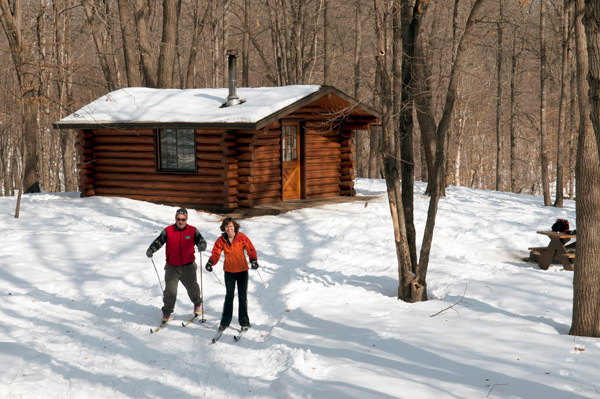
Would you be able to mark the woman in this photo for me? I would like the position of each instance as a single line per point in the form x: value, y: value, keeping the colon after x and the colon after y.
x: 233, y: 244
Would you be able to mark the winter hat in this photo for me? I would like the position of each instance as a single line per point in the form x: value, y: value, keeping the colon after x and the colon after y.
x: 181, y: 211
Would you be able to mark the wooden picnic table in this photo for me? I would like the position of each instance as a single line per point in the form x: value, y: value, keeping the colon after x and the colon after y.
x: 558, y: 250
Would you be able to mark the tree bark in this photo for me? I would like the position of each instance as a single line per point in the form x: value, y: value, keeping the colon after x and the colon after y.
x: 325, y: 41
x: 513, y: 110
x: 246, y: 46
x: 357, y: 48
x: 442, y: 129
x: 561, y: 149
x: 12, y: 22
x: 572, y: 136
x: 196, y: 37
x: 166, y: 58
x: 100, y: 34
x: 143, y: 12
x: 592, y: 30
x: 130, y: 47
x: 374, y: 162
x: 586, y: 279
x: 22, y: 180
x: 404, y: 36
x: 499, y: 96
x: 543, y: 106
x: 408, y: 289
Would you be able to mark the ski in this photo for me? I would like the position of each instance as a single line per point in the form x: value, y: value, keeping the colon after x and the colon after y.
x: 216, y: 338
x: 190, y: 321
x: 242, y: 332
x: 157, y: 329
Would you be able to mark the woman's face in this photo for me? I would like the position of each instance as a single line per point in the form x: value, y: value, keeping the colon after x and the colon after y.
x: 230, y: 229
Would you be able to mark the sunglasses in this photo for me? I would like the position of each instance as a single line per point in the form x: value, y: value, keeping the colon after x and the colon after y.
x: 181, y: 219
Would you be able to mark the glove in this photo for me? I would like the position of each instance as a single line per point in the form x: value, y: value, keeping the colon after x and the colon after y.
x: 209, y: 266
x: 149, y: 253
x: 254, y: 264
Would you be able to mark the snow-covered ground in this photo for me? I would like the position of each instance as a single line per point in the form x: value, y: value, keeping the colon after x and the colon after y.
x: 79, y: 296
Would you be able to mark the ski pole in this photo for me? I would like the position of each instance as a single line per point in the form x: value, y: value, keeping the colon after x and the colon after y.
x: 159, y: 282
x: 265, y: 285
x: 218, y: 279
x: 202, y: 320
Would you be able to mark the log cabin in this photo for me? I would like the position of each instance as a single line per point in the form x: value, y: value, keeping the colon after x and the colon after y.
x: 219, y: 149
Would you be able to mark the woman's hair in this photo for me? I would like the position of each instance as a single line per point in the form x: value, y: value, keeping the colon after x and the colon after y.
x: 227, y: 220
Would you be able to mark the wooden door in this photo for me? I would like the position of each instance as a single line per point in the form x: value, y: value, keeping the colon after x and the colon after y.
x: 290, y: 161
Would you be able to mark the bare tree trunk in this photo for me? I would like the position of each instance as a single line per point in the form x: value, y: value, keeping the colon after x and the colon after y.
x: 166, y: 58
x: 15, y: 170
x: 130, y: 47
x: 586, y: 279
x: 42, y: 81
x: 513, y: 110
x: 64, y: 89
x: 442, y: 129
x: 246, y: 46
x: 198, y: 28
x: 499, y: 97
x: 143, y: 13
x: 592, y: 30
x: 425, y: 108
x: 374, y: 166
x: 12, y: 22
x: 226, y: 39
x: 406, y: 289
x: 100, y: 34
x: 357, y: 44
x: 325, y: 41
x: 561, y: 149
x: 22, y: 180
x: 403, y: 108
x: 572, y: 138
x: 216, y: 50
x: 543, y: 105
x: 4, y: 150
x: 424, y: 111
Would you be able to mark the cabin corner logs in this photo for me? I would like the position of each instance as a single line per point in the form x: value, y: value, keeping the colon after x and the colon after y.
x: 236, y: 168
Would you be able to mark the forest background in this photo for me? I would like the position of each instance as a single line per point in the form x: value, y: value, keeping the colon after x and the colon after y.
x: 58, y: 55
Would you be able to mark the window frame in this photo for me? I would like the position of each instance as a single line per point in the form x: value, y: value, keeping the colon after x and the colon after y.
x: 160, y: 153
x: 290, y: 146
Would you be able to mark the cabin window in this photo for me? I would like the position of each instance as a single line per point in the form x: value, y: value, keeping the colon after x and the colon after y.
x: 290, y: 143
x: 177, y: 150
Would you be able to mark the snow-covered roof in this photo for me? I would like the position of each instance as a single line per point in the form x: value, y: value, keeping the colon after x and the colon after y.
x: 142, y: 105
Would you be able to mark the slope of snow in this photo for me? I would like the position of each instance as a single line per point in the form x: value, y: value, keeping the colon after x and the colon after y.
x: 79, y: 298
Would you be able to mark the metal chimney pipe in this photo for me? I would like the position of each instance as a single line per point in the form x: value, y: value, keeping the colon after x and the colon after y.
x: 232, y: 98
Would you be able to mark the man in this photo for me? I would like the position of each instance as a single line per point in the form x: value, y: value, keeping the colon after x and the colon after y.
x: 180, y: 266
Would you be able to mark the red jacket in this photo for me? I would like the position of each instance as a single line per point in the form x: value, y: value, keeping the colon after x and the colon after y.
x: 180, y: 245
x: 235, y: 260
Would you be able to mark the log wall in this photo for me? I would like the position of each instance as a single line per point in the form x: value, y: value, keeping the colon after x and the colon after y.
x: 329, y: 155
x: 259, y: 162
x: 322, y: 163
x: 235, y: 168
x: 122, y: 163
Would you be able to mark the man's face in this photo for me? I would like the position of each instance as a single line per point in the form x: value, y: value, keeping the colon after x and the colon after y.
x: 181, y: 221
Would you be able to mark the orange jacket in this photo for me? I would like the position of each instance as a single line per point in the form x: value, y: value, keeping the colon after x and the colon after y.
x: 235, y: 261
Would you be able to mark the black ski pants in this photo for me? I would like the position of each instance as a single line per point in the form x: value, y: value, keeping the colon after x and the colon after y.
x: 231, y: 279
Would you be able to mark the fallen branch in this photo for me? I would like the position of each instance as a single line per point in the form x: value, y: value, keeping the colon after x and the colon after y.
x: 454, y: 304
x: 493, y: 386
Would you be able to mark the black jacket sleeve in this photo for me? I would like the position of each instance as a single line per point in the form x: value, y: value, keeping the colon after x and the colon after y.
x: 159, y: 241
